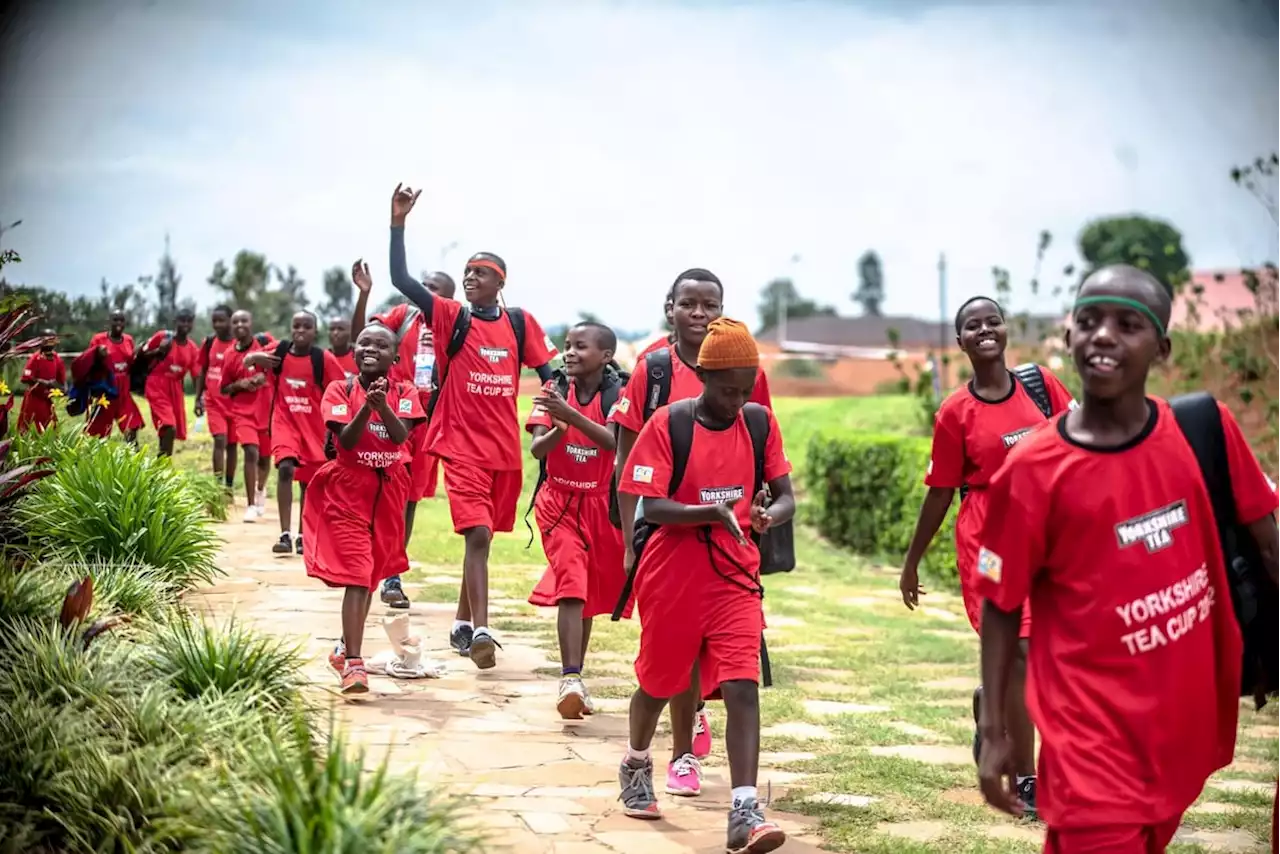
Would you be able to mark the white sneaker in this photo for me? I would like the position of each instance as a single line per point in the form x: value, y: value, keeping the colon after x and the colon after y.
x: 252, y: 513
x: 572, y: 700
x: 260, y: 501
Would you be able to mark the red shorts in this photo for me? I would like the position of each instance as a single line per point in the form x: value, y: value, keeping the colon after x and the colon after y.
x: 168, y: 405
x: 708, y: 621
x: 216, y: 415
x: 480, y: 498
x: 584, y: 551
x: 245, y: 431
x: 1115, y: 839
x: 354, y: 519
x: 424, y: 475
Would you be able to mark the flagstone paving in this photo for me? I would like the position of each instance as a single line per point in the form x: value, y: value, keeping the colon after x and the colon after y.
x: 539, y: 785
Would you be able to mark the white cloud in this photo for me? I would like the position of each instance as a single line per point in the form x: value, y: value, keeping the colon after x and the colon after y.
x: 601, y: 151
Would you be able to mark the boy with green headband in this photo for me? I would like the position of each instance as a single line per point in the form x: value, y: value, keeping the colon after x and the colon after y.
x: 1103, y: 521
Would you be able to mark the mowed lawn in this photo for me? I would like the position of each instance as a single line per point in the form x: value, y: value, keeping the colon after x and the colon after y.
x: 867, y: 726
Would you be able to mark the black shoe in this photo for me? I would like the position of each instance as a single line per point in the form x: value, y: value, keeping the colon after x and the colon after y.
x: 284, y: 545
x: 977, y: 733
x: 393, y: 594
x: 298, y: 544
x: 1027, y: 794
x: 460, y: 640
x: 484, y: 650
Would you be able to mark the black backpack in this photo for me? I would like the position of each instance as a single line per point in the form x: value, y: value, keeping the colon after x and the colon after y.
x: 142, y: 366
x: 281, y: 351
x: 615, y: 379
x: 657, y: 391
x: 1032, y: 380
x: 458, y: 337
x: 1253, y: 593
x: 331, y: 438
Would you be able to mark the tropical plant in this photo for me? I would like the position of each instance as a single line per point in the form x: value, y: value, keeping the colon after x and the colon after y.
x: 113, y: 503
x: 322, y: 798
x: 209, y: 492
x: 198, y: 658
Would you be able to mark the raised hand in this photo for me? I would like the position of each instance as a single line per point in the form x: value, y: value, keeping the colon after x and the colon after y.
x: 554, y: 405
x: 360, y: 276
x: 402, y: 201
x: 376, y: 397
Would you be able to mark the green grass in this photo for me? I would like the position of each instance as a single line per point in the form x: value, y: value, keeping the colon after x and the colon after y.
x: 838, y: 633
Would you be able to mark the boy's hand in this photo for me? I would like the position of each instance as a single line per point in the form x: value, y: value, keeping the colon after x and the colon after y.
x: 997, y: 776
x: 628, y: 559
x: 909, y: 584
x: 360, y: 276
x: 724, y: 510
x: 200, y: 406
x: 376, y: 397
x: 761, y: 521
x: 556, y: 407
x: 402, y: 201
x: 257, y: 381
x: 259, y: 359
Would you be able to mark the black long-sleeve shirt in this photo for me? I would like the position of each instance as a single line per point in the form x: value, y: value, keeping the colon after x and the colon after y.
x: 421, y: 296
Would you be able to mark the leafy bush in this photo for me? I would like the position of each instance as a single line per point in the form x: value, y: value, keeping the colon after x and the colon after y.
x: 321, y: 799
x: 209, y: 492
x: 197, y: 658
x: 801, y: 369
x: 109, y: 502
x: 865, y: 492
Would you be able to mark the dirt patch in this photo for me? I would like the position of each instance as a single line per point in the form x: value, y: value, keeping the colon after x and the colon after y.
x: 930, y: 754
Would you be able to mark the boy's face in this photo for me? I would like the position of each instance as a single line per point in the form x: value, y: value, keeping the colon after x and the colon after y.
x: 583, y: 354
x: 726, y: 392
x: 693, y: 306
x: 375, y: 350
x: 1112, y: 344
x: 182, y: 326
x: 303, y: 330
x: 117, y: 323
x: 440, y: 285
x: 983, y: 334
x: 481, y: 285
x: 242, y: 326
x: 339, y: 334
x: 221, y: 324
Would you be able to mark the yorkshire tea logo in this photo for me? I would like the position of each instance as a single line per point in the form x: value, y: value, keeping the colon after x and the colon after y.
x: 296, y: 383
x: 378, y: 429
x: 493, y: 354
x: 1154, y: 529
x: 581, y: 453
x: 718, y: 494
x: 1011, y: 439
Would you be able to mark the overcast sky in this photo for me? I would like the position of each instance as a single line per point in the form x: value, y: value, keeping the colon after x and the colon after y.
x: 602, y: 148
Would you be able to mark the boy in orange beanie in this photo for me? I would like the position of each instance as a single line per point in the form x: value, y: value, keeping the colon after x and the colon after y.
x: 691, y: 547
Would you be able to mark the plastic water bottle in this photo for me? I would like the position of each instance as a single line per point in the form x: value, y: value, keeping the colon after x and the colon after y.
x: 198, y: 427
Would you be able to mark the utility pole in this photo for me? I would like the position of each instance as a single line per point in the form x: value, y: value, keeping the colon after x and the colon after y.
x: 782, y: 304
x: 939, y: 368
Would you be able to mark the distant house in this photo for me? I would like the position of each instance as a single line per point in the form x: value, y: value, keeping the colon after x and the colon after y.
x: 874, y: 333
x: 1220, y: 297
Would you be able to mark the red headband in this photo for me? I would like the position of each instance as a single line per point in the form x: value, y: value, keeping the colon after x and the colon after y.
x: 484, y: 262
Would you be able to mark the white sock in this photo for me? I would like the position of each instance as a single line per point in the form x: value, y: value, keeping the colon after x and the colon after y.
x: 457, y: 624
x: 741, y: 794
x: 1022, y: 780
x: 634, y: 755
x: 484, y: 629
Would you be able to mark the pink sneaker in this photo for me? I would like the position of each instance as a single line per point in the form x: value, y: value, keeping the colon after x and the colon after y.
x: 338, y: 660
x: 684, y: 777
x: 701, y: 735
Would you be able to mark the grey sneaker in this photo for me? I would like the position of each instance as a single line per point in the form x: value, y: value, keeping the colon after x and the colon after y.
x: 750, y: 832
x: 460, y: 640
x: 393, y: 594
x: 572, y: 700
x: 1027, y: 794
x: 638, y: 797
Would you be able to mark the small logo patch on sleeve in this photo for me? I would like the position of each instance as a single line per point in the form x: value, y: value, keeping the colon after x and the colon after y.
x: 990, y: 565
x: 405, y: 406
x: 622, y: 407
x: 340, y: 409
x: 642, y: 474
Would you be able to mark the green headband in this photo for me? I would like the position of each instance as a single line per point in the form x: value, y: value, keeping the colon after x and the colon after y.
x: 1125, y: 301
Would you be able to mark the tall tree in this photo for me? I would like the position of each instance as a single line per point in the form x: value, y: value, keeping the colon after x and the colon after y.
x: 245, y: 283
x: 1151, y: 244
x: 127, y: 298
x: 276, y: 307
x: 166, y: 283
x: 339, y: 294
x: 870, y: 292
x: 782, y: 292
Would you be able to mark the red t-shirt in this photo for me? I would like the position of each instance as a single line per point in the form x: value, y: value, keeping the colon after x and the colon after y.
x: 629, y: 410
x: 417, y: 351
x: 576, y: 463
x: 475, y: 420
x: 375, y: 448
x: 42, y: 367
x: 119, y: 358
x: 211, y: 364
x: 721, y: 465
x: 972, y: 436
x: 298, y: 400
x: 1134, y: 670
x: 183, y: 358
x: 254, y: 405
x: 347, y: 361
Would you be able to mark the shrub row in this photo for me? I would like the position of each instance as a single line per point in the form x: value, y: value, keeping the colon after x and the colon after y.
x: 864, y: 493
x: 165, y: 732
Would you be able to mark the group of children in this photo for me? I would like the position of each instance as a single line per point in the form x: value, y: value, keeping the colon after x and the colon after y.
x: 1102, y: 520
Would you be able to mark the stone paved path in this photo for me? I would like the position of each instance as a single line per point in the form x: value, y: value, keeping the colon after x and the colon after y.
x: 538, y: 784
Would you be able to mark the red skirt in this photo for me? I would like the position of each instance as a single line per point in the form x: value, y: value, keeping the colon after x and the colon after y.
x: 584, y: 551
x: 354, y: 524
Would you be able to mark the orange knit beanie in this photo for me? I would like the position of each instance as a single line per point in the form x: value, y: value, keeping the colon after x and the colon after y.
x: 728, y: 345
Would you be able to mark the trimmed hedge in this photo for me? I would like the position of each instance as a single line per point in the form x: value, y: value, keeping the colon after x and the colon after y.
x: 864, y: 493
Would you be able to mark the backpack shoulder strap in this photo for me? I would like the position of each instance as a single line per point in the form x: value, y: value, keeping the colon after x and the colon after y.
x: 409, y: 317
x: 757, y: 418
x: 317, y: 367
x: 1033, y: 381
x: 657, y: 391
x: 282, y: 350
x: 680, y: 429
x: 1201, y: 423
x: 261, y: 338
x: 609, y: 393
x: 515, y: 316
x: 458, y: 337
